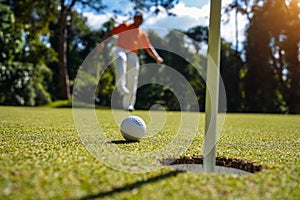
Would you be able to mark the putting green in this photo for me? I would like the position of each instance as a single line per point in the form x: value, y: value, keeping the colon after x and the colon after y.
x: 42, y: 157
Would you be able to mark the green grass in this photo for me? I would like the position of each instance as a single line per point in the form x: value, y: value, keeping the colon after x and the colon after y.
x: 42, y: 157
x: 59, y: 104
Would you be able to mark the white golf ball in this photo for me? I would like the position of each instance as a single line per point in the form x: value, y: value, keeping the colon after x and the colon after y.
x: 133, y: 128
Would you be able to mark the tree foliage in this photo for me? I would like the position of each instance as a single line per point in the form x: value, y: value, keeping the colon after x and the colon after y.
x: 167, y: 5
x: 23, y: 73
x: 271, y: 75
x: 269, y: 85
x: 43, y: 44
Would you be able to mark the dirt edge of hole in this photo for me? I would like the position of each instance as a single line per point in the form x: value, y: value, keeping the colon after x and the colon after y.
x: 240, y: 164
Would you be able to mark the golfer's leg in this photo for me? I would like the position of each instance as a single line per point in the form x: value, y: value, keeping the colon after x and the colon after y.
x: 120, y: 70
x: 132, y: 78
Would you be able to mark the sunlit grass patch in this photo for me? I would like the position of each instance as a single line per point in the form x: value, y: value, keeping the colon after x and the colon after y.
x: 42, y: 157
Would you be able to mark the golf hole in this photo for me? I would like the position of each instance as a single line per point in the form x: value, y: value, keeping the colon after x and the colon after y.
x: 223, y: 165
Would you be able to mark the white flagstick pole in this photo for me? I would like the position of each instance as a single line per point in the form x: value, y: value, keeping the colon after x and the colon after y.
x: 212, y: 87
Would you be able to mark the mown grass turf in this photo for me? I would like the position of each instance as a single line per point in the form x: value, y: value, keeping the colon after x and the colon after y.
x: 42, y: 157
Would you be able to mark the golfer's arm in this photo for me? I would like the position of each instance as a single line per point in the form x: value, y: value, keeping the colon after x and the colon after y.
x: 152, y: 52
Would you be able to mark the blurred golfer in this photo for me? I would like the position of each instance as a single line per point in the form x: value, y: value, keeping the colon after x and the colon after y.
x: 130, y: 39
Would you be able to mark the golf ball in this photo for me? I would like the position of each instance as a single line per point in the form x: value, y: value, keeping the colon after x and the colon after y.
x: 133, y: 128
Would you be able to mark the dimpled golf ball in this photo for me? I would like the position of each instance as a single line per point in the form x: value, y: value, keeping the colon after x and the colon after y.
x: 133, y: 128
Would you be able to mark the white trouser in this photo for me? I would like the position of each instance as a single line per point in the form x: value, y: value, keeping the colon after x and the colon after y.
x: 127, y: 72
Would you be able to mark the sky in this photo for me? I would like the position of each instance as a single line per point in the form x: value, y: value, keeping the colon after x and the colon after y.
x: 189, y: 13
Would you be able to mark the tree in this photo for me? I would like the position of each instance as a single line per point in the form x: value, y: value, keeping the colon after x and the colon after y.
x: 199, y: 34
x: 230, y: 70
x: 291, y: 65
x: 10, y: 37
x: 260, y: 84
x: 11, y: 46
x: 64, y: 17
x: 23, y: 74
x: 271, y: 54
x: 167, y: 5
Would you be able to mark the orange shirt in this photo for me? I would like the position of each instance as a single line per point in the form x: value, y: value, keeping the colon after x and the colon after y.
x: 131, y: 38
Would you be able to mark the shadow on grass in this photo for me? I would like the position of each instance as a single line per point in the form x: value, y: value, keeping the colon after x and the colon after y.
x: 121, y: 142
x: 132, y: 186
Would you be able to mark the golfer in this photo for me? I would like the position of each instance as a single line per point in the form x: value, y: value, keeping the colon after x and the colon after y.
x: 130, y: 39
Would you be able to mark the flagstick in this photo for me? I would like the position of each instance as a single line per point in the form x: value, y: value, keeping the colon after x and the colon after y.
x: 212, y: 87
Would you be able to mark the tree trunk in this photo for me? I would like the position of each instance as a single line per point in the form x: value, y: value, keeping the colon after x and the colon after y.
x: 64, y: 88
x: 294, y: 67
